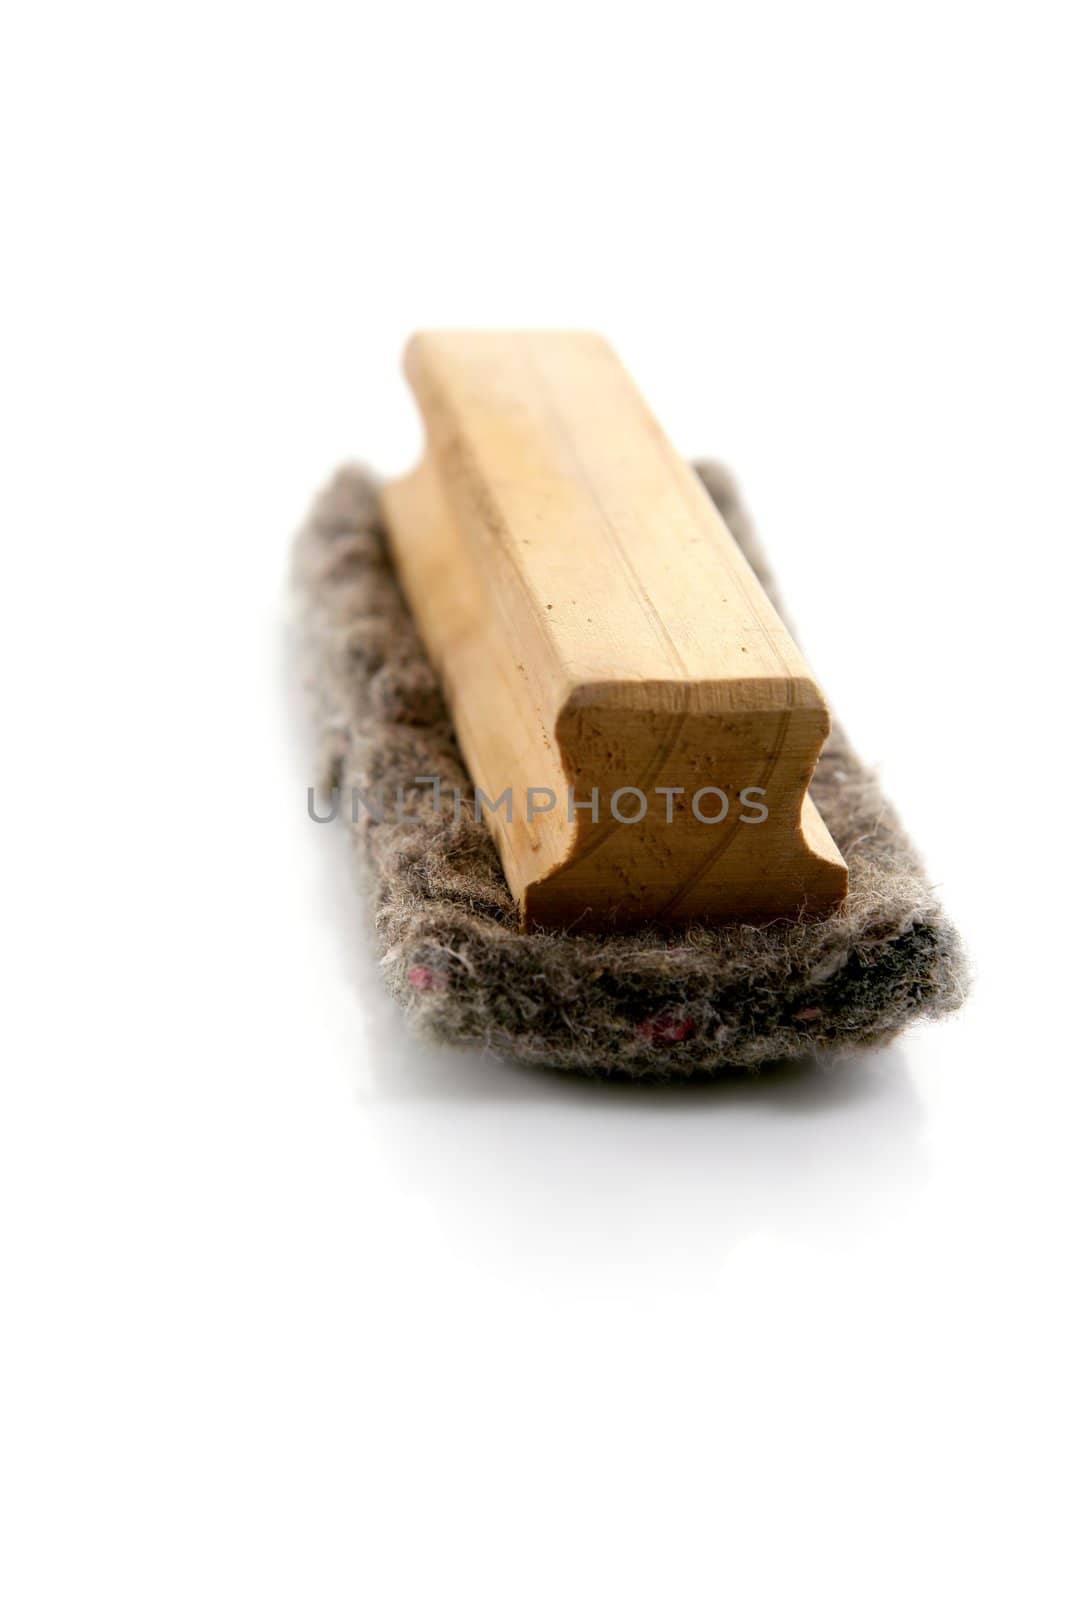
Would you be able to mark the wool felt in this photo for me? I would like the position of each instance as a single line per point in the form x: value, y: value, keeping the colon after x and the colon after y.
x: 653, y: 1003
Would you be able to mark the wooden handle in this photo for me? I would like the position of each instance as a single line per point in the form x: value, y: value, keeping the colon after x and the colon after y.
x: 601, y: 639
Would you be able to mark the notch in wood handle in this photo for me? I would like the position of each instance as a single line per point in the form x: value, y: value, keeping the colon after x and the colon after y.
x: 600, y: 637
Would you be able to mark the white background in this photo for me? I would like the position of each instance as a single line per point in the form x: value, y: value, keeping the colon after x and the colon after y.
x: 291, y: 1305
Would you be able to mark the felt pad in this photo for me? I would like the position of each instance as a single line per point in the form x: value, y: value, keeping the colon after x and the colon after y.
x: 660, y: 1002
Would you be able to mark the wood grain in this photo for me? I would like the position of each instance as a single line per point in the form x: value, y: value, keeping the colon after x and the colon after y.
x: 596, y: 627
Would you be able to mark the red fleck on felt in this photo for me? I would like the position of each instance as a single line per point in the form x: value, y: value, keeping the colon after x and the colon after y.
x: 807, y: 1014
x: 665, y: 1030
x: 424, y: 978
